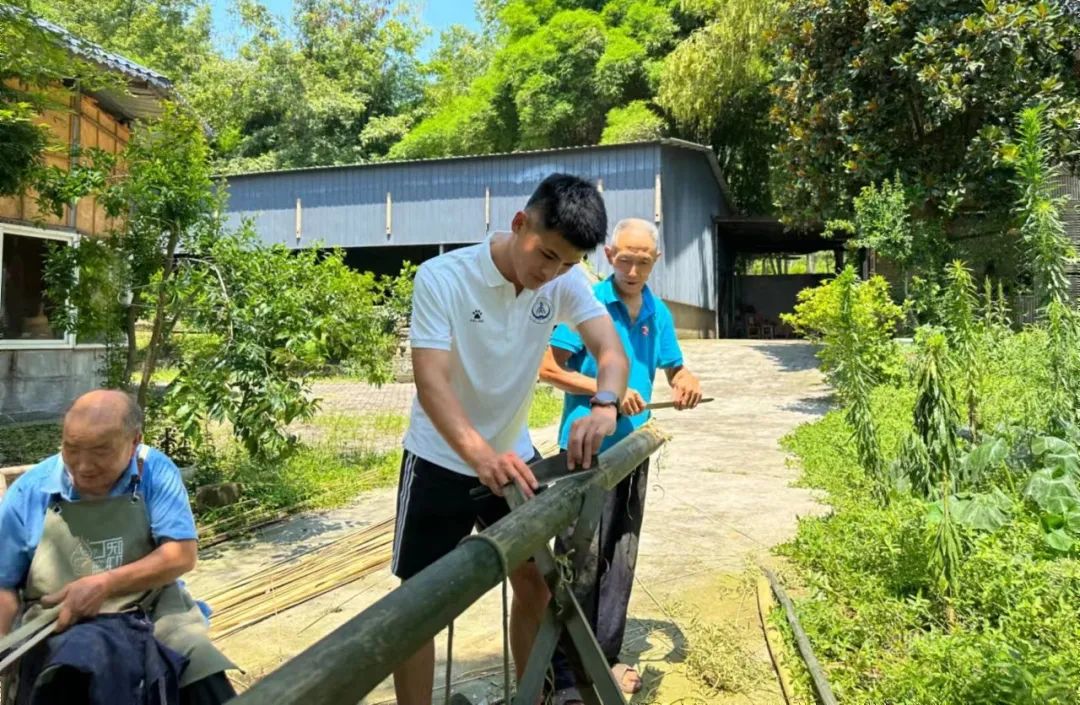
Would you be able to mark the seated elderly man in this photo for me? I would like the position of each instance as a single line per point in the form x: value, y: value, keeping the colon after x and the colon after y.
x: 96, y: 537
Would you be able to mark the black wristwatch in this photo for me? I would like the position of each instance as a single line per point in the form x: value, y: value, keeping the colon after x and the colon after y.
x: 603, y: 398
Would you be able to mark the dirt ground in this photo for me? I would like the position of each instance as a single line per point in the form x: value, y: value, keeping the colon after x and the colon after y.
x: 719, y: 498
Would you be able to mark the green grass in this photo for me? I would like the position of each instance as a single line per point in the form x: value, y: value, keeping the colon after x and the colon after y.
x: 546, y: 407
x: 23, y: 444
x: 343, y: 427
x: 162, y: 375
x: 874, y: 609
x: 343, y: 455
x: 316, y: 477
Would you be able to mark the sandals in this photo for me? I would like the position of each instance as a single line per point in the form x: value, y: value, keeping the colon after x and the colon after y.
x: 572, y: 696
x: 620, y: 671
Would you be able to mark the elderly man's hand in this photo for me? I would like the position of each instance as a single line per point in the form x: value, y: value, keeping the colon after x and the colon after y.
x: 79, y: 600
x: 686, y: 390
x: 633, y: 403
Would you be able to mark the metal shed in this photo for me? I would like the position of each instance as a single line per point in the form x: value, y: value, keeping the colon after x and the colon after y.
x: 385, y: 212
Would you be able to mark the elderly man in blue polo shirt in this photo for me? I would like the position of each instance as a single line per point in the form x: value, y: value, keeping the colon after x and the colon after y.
x: 97, y: 535
x: 645, y: 326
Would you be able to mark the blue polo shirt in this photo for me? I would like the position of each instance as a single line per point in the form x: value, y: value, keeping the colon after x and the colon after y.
x: 649, y: 342
x: 22, y: 512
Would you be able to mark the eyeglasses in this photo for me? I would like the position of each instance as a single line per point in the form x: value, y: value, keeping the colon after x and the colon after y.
x: 628, y: 262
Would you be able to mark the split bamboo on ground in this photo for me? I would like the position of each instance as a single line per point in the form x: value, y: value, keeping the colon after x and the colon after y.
x: 298, y: 579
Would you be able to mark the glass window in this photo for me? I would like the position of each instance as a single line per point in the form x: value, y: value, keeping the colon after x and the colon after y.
x: 24, y: 304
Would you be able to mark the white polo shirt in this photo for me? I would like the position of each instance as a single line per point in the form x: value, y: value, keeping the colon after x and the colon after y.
x: 496, y: 340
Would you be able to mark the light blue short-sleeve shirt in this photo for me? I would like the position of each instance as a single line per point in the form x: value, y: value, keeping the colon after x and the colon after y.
x: 22, y: 512
x: 650, y: 344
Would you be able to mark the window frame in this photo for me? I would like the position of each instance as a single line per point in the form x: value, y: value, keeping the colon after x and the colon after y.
x: 69, y: 237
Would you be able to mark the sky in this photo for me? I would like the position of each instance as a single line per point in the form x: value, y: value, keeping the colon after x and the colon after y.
x: 436, y: 14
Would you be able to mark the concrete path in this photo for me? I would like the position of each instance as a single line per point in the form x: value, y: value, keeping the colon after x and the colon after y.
x: 719, y: 498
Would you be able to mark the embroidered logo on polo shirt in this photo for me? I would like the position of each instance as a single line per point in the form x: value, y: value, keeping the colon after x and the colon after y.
x: 541, y: 310
x: 644, y: 330
x: 477, y: 316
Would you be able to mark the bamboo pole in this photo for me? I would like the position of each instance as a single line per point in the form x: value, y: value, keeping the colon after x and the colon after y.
x: 765, y: 603
x: 817, y: 673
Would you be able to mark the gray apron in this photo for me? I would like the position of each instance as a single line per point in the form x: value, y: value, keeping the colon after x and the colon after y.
x: 94, y: 535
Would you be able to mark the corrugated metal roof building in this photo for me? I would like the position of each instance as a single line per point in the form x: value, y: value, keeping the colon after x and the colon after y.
x: 387, y: 212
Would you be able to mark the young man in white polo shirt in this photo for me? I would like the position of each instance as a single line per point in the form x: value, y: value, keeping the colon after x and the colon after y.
x: 481, y: 319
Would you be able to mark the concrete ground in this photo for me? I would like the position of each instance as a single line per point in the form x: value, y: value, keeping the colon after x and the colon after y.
x: 719, y: 498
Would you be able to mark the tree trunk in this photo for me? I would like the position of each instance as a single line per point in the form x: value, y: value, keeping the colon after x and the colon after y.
x: 132, y: 317
x: 156, y: 337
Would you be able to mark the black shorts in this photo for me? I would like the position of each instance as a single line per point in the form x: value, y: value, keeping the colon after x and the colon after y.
x: 435, y: 512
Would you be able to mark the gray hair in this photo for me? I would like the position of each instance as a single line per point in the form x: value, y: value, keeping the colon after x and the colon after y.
x: 133, y: 415
x: 627, y: 223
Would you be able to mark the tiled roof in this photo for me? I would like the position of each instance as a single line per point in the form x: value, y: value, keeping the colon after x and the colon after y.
x: 145, y: 89
x: 113, y: 62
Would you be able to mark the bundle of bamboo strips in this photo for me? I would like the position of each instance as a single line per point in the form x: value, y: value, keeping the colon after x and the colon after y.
x: 301, y: 578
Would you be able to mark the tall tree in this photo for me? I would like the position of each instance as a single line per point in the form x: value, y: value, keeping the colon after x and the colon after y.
x: 461, y: 57
x: 169, y: 36
x: 339, y: 84
x: 928, y: 90
x: 561, y: 68
x: 715, y: 85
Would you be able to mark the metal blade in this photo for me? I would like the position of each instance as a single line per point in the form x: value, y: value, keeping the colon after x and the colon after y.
x: 27, y: 645
x: 671, y: 404
x: 545, y: 470
x: 551, y: 468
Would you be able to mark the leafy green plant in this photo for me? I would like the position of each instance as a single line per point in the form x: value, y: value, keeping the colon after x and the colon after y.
x: 1054, y: 490
x: 868, y: 574
x: 882, y: 221
x: 1039, y: 209
x: 869, y: 322
x: 964, y: 334
x: 1051, y: 254
x: 257, y: 320
x: 270, y: 316
x: 988, y: 511
x: 933, y: 472
x: 90, y: 278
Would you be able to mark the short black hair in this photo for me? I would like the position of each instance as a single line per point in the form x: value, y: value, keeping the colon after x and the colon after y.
x: 572, y: 207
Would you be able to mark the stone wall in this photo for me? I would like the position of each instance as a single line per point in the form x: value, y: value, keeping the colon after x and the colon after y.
x: 40, y: 384
x: 692, y: 321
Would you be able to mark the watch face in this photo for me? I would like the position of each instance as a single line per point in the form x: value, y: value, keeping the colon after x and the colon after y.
x: 605, y: 399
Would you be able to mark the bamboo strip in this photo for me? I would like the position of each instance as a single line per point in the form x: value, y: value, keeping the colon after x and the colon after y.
x: 299, y: 579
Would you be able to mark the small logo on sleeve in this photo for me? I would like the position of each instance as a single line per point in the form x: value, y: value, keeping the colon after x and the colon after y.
x: 477, y: 316
x: 541, y: 310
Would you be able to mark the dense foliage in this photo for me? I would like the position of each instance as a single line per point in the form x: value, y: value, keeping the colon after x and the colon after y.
x: 865, y: 90
x: 957, y: 580
x: 559, y: 71
x: 256, y: 320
